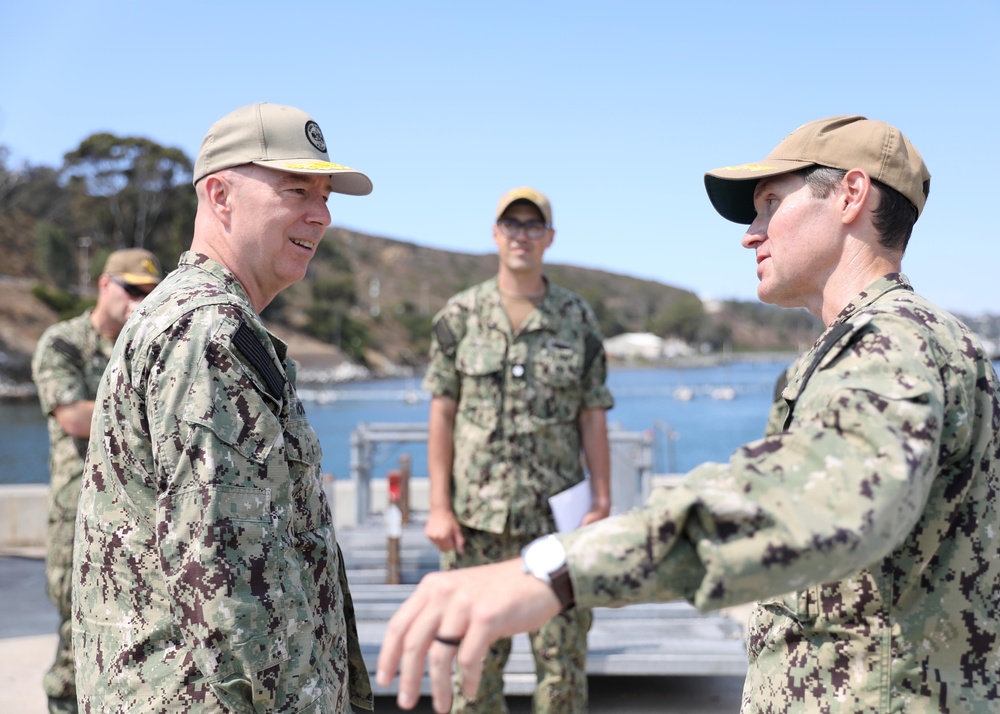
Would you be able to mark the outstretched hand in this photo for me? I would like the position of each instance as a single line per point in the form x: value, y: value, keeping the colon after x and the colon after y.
x: 473, y: 606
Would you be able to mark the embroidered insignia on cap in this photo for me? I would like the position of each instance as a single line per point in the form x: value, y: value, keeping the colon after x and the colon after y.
x: 748, y: 167
x: 315, y: 136
x: 315, y: 166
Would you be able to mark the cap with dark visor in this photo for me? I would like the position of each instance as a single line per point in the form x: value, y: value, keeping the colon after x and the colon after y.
x: 842, y: 142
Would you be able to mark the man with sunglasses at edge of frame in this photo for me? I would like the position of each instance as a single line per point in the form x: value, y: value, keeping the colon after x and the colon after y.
x: 67, y: 366
x: 864, y: 523
x: 517, y: 377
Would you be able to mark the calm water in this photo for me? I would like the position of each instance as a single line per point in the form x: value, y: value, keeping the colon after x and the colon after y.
x: 704, y: 427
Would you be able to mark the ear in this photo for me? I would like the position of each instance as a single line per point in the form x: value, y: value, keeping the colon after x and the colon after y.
x: 218, y: 196
x: 856, y: 192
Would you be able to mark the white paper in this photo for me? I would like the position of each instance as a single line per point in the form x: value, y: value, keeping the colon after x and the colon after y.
x: 570, y: 506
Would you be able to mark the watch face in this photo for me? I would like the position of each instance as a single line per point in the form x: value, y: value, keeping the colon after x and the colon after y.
x: 544, y: 555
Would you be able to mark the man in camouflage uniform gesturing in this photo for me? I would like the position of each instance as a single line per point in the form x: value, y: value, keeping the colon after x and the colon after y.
x: 864, y: 522
x: 207, y: 572
x: 517, y: 376
x: 67, y: 366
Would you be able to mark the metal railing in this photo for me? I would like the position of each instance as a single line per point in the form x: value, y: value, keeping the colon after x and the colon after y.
x: 631, y: 461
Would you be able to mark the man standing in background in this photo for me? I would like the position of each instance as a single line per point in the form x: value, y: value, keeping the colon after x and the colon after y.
x: 517, y: 376
x: 67, y: 366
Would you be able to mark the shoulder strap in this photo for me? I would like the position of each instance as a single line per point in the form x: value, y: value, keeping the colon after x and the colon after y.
x: 445, y: 337
x: 591, y: 348
x: 249, y: 345
x: 68, y: 349
x: 832, y: 337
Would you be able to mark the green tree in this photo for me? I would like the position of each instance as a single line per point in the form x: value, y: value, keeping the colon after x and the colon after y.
x: 330, y: 316
x: 684, y: 317
x: 54, y: 253
x: 338, y: 290
x: 9, y: 178
x: 417, y: 326
x: 126, y: 183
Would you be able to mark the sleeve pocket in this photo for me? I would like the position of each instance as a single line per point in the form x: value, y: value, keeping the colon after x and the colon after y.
x: 231, y: 406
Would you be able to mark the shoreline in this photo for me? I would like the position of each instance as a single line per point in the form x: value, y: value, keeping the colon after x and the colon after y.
x: 12, y: 392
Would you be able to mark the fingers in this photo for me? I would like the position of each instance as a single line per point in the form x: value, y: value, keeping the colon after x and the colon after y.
x: 593, y: 516
x: 458, y: 539
x: 439, y: 663
x: 444, y: 545
x: 440, y: 537
x: 397, y: 637
x: 409, y: 643
x: 417, y: 641
x: 476, y: 605
x: 470, y: 660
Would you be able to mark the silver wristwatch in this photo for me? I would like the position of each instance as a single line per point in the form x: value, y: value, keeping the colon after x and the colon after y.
x: 545, y: 558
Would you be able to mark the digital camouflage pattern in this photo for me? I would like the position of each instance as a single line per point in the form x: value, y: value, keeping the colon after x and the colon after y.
x: 67, y: 366
x: 517, y: 440
x: 871, y: 503
x: 207, y: 572
x: 560, y: 646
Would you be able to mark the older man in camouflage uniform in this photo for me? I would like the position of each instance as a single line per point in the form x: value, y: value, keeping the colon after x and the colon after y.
x: 208, y: 575
x: 67, y: 366
x: 864, y: 522
x: 517, y: 376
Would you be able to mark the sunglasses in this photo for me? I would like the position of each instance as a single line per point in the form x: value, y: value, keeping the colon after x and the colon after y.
x: 133, y: 291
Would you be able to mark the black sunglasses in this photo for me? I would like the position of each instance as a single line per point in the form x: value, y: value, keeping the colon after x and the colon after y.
x: 132, y: 290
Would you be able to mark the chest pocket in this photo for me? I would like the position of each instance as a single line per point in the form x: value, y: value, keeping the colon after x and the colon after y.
x: 301, y: 441
x: 480, y: 362
x: 557, y: 371
x: 304, y: 456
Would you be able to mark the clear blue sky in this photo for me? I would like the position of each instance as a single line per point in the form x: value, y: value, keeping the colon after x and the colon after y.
x: 614, y: 109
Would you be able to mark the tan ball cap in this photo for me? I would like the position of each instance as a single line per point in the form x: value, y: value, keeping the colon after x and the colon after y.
x: 526, y: 193
x: 136, y: 266
x: 842, y: 142
x: 279, y: 137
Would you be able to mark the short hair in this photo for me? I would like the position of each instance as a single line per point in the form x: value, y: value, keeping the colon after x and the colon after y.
x: 893, y: 218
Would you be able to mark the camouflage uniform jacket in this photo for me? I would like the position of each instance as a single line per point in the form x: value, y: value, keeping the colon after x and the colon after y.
x: 207, y: 572
x: 67, y: 367
x: 871, y: 502
x: 517, y: 440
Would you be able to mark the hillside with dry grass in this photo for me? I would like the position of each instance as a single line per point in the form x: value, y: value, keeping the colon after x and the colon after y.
x: 370, y: 300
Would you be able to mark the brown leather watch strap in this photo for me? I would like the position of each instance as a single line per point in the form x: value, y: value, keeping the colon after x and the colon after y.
x: 563, y: 587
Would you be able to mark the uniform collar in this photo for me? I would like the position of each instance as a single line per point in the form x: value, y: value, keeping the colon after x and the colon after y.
x: 217, y: 270
x: 541, y: 318
x: 885, y: 284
